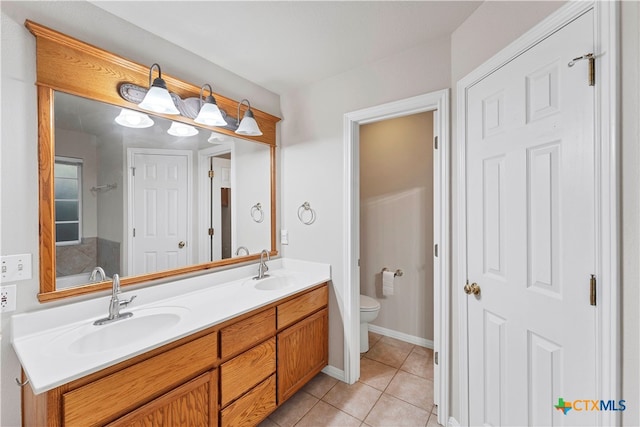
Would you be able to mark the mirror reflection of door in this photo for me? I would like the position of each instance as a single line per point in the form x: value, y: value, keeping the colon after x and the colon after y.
x: 220, y: 207
x: 161, y: 210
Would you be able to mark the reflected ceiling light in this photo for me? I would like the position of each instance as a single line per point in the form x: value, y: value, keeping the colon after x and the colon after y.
x: 158, y: 98
x: 180, y: 129
x: 133, y: 119
x: 209, y: 114
x: 216, y: 138
x: 248, y: 126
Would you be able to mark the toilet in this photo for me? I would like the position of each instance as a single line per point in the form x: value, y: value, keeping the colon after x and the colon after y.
x: 369, y: 309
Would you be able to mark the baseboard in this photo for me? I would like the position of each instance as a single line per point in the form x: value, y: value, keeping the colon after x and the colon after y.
x: 401, y: 336
x: 334, y: 372
x: 453, y: 422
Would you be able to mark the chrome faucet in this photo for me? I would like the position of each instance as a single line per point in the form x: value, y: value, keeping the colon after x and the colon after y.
x: 115, y: 304
x: 262, y: 267
x: 95, y: 272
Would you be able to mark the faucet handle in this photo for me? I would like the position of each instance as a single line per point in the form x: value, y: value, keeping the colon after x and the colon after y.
x: 127, y: 302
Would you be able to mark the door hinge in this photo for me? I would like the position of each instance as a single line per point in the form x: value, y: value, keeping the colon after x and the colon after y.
x: 435, y: 250
x: 435, y: 142
x: 133, y: 171
x: 211, y: 174
x: 211, y: 232
x: 592, y: 290
x: 592, y: 66
x: 435, y: 357
x: 134, y: 232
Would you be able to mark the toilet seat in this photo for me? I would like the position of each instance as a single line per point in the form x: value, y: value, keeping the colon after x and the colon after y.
x: 368, y: 304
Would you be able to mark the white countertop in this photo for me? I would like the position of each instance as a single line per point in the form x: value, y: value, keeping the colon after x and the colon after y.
x: 46, y: 341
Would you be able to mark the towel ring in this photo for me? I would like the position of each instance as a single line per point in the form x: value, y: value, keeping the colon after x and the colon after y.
x: 306, y: 207
x: 257, y: 214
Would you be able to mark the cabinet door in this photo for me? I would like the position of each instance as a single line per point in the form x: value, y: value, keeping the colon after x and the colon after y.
x: 302, y: 353
x: 193, y: 404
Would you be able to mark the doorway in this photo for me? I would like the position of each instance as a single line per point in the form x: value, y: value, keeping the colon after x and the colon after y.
x: 438, y: 103
x: 159, y: 203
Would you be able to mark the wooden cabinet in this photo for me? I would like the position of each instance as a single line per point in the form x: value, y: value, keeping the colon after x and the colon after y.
x: 232, y: 374
x: 302, y: 353
x: 190, y: 405
x: 114, y: 395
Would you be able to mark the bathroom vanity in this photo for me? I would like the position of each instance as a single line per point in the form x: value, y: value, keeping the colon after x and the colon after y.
x: 232, y: 372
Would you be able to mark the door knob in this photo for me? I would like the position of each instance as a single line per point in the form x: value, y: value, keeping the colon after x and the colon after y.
x: 181, y: 245
x: 472, y: 289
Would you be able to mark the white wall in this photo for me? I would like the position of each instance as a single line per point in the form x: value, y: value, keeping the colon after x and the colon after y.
x: 630, y: 155
x: 18, y: 148
x: 312, y: 156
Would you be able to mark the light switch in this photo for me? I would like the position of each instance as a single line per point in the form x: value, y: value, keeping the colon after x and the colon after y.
x: 15, y: 267
x: 284, y: 237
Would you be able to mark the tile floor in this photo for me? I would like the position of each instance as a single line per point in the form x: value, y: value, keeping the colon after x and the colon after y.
x: 395, y: 389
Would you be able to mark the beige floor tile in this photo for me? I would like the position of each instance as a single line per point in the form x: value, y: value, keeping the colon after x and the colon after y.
x: 433, y: 420
x: 320, y: 385
x: 419, y: 363
x: 293, y: 409
x: 413, y: 389
x: 397, y: 343
x: 393, y: 412
x: 267, y: 423
x: 435, y: 409
x: 373, y: 338
x: 423, y: 350
x: 376, y: 374
x: 355, y: 399
x: 388, y: 354
x: 325, y: 415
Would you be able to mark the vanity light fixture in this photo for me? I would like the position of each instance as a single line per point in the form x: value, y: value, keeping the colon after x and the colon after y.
x: 248, y: 126
x: 180, y: 129
x: 133, y: 119
x: 216, y: 138
x: 209, y: 114
x: 158, y: 98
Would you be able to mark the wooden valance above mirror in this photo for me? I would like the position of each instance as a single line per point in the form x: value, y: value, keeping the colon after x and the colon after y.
x: 69, y: 66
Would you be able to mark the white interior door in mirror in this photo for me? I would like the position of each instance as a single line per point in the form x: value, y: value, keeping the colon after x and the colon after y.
x: 160, y: 209
x: 220, y: 203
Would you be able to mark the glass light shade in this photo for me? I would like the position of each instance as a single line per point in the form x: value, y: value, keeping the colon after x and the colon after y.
x: 210, y: 115
x: 180, y: 129
x: 216, y: 138
x: 248, y: 126
x: 133, y: 119
x: 158, y: 100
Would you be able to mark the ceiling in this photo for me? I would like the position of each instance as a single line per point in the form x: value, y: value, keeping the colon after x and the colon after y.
x: 283, y: 45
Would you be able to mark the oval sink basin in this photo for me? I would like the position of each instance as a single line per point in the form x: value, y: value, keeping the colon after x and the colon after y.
x: 143, y: 325
x: 273, y: 283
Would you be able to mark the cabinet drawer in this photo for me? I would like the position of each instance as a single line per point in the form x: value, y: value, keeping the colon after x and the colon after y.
x: 239, y: 374
x: 247, y: 332
x: 297, y: 308
x: 114, y: 395
x: 253, y: 407
x: 190, y: 405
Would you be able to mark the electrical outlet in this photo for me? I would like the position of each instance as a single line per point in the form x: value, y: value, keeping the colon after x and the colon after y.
x: 15, y: 267
x: 7, y: 298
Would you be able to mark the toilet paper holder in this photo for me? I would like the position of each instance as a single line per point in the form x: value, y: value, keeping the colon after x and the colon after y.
x: 398, y: 272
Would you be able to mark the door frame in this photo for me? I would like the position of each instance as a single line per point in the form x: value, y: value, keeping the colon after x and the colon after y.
x: 606, y: 130
x: 131, y: 152
x: 204, y: 195
x: 439, y: 103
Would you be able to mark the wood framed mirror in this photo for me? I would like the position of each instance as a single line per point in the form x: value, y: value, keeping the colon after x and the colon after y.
x: 96, y: 208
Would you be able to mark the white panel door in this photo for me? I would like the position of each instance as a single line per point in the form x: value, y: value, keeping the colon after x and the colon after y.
x: 160, y: 212
x: 221, y: 179
x: 531, y: 235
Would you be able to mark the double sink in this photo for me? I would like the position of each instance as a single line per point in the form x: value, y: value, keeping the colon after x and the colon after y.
x: 61, y: 344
